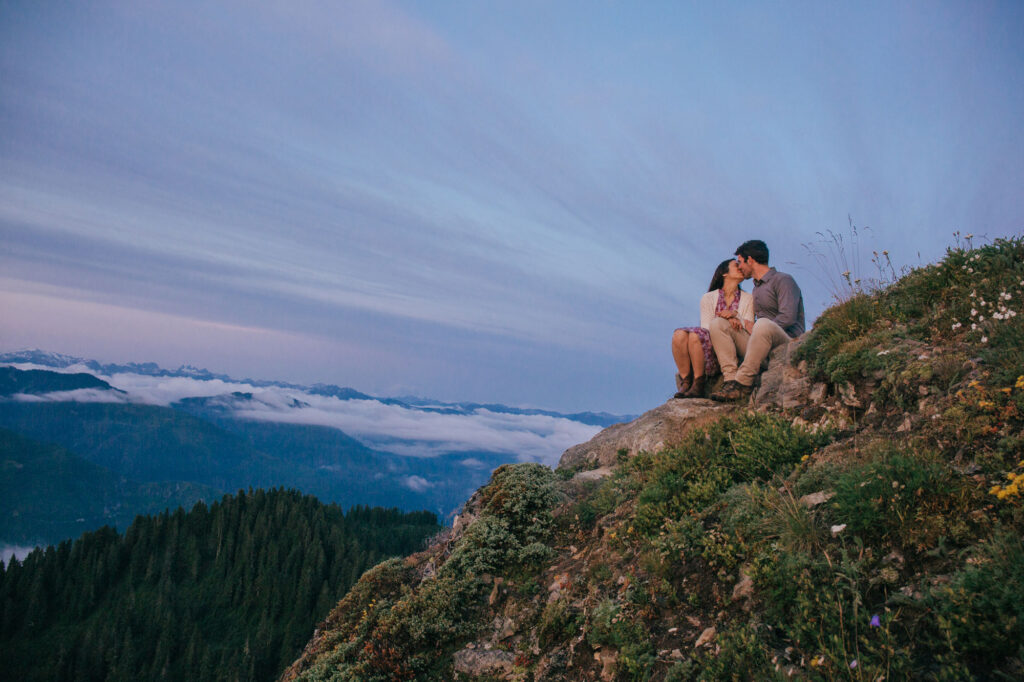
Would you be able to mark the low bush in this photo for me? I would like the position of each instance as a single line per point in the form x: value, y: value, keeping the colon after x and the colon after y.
x: 878, y: 498
x: 980, y: 613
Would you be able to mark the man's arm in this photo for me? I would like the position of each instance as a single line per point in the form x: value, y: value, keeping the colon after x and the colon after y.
x: 788, y: 297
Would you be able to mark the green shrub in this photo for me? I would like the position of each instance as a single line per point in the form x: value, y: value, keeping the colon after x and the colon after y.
x: 981, y: 612
x: 827, y: 607
x: 878, y: 498
x: 523, y: 495
x: 558, y: 622
x: 609, y: 626
x: 686, y: 479
x: 742, y: 654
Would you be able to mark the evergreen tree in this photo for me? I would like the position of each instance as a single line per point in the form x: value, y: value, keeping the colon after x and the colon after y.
x: 230, y: 590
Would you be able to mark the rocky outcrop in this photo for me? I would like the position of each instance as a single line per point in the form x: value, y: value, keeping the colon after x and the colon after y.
x: 662, y: 427
x: 783, y: 384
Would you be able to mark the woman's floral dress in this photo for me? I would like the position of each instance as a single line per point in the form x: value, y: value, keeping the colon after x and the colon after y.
x: 710, y: 360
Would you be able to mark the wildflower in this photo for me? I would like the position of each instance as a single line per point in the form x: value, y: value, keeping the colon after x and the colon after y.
x: 973, y: 326
x: 836, y: 530
x: 805, y: 458
x: 875, y: 621
x: 973, y: 312
x: 984, y: 339
x: 853, y: 663
x: 1020, y: 382
x: 957, y: 325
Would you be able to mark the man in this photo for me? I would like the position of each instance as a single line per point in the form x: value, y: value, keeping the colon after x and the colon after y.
x: 778, y: 315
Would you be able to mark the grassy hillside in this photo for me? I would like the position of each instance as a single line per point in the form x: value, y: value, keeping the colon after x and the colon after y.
x: 875, y: 533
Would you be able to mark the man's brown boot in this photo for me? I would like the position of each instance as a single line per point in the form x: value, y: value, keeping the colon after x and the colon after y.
x: 732, y: 391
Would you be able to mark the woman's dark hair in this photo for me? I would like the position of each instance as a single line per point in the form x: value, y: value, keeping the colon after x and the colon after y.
x: 718, y: 279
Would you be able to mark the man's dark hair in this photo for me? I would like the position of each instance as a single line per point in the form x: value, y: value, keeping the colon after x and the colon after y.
x: 756, y: 249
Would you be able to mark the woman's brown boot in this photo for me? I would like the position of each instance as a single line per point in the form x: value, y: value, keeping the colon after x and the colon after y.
x: 696, y: 389
x: 683, y: 385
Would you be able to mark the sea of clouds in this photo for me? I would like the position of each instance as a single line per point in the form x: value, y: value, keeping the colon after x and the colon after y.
x: 396, y: 428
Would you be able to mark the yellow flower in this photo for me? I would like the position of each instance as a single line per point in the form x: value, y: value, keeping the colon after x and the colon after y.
x: 805, y: 458
x: 994, y: 489
x: 1007, y: 390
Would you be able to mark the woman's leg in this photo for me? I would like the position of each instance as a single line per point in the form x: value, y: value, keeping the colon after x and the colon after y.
x: 681, y: 352
x: 696, y: 354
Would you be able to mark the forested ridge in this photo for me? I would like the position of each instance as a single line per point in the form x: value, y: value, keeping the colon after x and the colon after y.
x: 232, y: 590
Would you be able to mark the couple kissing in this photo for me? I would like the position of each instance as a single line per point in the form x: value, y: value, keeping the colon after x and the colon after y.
x: 738, y: 330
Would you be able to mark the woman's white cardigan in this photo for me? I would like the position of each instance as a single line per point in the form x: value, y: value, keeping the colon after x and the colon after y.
x: 709, y: 300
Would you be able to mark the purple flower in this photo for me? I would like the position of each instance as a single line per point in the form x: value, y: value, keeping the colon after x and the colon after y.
x: 853, y: 663
x: 875, y: 621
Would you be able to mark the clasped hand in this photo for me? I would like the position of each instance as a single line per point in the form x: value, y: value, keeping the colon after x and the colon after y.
x: 733, y: 318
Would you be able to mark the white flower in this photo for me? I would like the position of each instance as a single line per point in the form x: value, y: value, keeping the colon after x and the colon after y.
x: 981, y: 318
x: 984, y: 339
x: 973, y: 312
x: 1012, y: 313
x: 974, y: 326
x: 974, y: 294
x: 836, y: 530
x: 970, y: 269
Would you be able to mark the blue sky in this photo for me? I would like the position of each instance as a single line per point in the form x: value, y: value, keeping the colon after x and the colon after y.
x: 511, y: 202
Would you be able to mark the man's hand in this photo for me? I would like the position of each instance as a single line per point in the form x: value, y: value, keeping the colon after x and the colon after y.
x: 736, y: 323
x: 728, y: 314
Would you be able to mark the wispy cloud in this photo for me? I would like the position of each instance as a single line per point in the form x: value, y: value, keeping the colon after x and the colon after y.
x: 416, y: 483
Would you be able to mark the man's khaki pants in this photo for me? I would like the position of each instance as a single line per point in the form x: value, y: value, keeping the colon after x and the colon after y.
x: 752, y: 347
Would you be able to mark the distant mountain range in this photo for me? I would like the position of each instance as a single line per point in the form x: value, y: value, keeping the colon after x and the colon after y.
x: 62, y: 361
x: 78, y: 451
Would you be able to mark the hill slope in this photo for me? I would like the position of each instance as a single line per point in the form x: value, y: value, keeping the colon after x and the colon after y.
x: 865, y: 526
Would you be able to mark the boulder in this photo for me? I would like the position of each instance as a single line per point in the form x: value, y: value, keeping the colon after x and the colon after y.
x: 660, y: 428
x: 784, y: 384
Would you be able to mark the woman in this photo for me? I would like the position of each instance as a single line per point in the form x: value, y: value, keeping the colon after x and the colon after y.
x: 691, y: 346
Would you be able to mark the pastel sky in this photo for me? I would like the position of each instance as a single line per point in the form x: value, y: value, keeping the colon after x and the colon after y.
x: 502, y: 201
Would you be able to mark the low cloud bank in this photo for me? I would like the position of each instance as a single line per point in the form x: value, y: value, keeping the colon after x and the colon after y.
x: 396, y: 428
